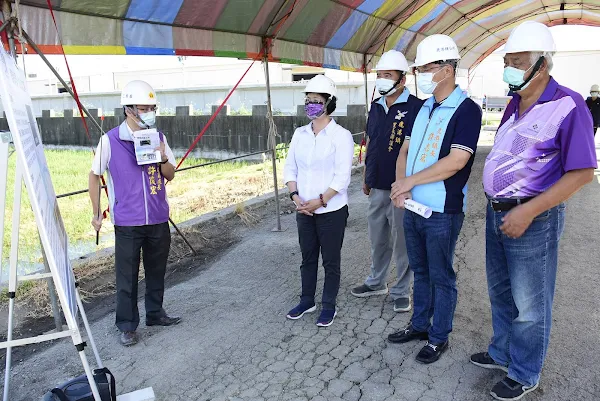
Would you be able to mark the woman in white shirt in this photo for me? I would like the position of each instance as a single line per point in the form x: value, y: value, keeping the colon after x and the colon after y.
x: 317, y: 172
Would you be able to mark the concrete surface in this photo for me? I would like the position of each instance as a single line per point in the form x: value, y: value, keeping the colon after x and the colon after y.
x: 236, y: 344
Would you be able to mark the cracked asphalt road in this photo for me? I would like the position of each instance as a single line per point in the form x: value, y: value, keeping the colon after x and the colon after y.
x: 236, y: 344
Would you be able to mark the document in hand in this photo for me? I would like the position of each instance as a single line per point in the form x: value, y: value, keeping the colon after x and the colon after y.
x: 418, y: 208
x: 145, y: 143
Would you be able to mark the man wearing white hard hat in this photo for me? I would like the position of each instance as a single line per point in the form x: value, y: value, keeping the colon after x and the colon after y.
x: 593, y: 103
x: 391, y: 118
x: 543, y: 154
x: 317, y: 173
x: 433, y: 168
x: 138, y: 209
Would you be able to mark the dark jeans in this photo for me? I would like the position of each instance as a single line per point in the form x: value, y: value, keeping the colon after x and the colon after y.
x: 155, y: 242
x: 430, y: 244
x: 521, y: 275
x: 322, y: 233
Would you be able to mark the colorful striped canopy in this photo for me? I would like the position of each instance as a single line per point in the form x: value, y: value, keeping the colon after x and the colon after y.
x: 339, y: 34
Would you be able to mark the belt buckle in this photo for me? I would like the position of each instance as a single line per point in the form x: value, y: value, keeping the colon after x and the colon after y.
x: 494, y: 203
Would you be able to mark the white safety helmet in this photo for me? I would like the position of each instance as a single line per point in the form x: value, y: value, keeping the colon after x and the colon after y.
x: 321, y: 84
x: 392, y: 60
x: 436, y: 48
x: 138, y: 92
x: 595, y: 88
x: 530, y: 36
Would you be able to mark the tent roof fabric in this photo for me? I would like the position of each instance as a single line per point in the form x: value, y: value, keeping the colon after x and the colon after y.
x: 339, y: 34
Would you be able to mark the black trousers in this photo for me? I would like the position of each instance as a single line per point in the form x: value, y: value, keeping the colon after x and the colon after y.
x: 154, y: 241
x: 322, y: 233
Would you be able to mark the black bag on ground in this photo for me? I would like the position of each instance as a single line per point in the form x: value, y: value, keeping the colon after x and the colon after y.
x: 79, y: 388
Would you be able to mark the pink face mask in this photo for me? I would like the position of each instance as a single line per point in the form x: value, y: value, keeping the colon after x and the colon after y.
x: 314, y: 110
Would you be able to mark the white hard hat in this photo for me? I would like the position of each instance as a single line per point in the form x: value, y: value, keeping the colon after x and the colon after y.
x: 138, y: 92
x: 530, y: 36
x: 436, y: 48
x: 392, y: 60
x: 321, y: 84
x: 595, y: 88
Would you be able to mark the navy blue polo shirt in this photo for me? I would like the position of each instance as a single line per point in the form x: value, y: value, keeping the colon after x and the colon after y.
x: 387, y: 128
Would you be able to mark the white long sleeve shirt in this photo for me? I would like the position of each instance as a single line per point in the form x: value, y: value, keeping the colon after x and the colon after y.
x: 319, y: 162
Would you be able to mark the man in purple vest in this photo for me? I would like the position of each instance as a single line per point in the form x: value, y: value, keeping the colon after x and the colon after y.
x: 139, y: 211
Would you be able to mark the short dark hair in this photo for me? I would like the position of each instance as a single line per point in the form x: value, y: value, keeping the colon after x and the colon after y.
x: 332, y: 102
x: 451, y: 63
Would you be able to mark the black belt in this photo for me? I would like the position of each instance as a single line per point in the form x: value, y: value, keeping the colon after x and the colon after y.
x: 506, y: 204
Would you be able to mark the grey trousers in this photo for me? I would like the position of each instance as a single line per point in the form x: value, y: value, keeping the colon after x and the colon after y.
x: 386, y: 231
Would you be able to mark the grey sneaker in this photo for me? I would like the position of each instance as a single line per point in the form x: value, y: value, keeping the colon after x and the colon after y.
x: 402, y: 305
x: 363, y: 291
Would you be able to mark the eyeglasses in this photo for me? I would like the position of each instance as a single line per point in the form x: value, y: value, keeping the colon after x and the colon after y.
x: 313, y: 101
x: 422, y: 70
x: 145, y: 109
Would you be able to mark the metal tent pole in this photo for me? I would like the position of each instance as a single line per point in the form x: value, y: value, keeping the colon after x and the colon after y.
x: 416, y: 86
x: 366, y: 88
x: 272, y: 139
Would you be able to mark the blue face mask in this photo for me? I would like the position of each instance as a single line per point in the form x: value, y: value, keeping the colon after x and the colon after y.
x: 515, y: 78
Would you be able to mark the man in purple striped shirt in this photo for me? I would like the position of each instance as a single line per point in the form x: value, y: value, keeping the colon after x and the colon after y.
x: 543, y: 153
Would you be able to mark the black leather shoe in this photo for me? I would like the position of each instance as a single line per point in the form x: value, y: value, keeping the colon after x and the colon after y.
x: 406, y: 335
x: 163, y: 321
x: 128, y: 338
x: 431, y: 352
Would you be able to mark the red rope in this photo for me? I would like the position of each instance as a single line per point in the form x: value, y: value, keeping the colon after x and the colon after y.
x: 76, y: 96
x: 212, y: 118
x: 362, y: 144
x: 265, y: 52
x: 87, y: 131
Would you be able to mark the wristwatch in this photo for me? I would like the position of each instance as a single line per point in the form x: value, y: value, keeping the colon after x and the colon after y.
x: 292, y: 194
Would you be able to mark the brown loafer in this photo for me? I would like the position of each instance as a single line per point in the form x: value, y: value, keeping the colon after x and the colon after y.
x: 163, y: 321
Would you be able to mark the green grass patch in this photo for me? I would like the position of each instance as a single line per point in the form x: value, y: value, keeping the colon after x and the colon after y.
x: 70, y: 168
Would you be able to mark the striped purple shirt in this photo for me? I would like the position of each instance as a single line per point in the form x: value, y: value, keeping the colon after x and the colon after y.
x: 533, y: 151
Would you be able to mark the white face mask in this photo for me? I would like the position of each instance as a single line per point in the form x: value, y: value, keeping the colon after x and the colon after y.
x: 384, y: 86
x: 594, y: 94
x: 425, y: 82
x: 149, y: 119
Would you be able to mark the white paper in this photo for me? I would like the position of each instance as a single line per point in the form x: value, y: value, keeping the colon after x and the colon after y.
x: 418, y: 208
x: 30, y: 150
x: 145, y: 143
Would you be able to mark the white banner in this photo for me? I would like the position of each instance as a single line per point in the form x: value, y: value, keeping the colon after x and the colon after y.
x: 30, y: 152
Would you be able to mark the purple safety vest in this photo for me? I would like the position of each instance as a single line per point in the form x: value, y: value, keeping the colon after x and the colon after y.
x: 140, y: 195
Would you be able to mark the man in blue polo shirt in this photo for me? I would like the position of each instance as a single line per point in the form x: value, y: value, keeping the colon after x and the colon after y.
x: 433, y: 168
x: 390, y: 119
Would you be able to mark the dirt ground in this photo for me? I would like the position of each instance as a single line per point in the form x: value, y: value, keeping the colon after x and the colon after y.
x: 234, y: 342
x: 97, y: 281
